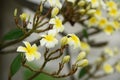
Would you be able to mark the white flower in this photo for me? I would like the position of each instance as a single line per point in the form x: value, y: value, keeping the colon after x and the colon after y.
x: 31, y: 52
x: 49, y: 40
x: 57, y: 24
x: 55, y: 3
x: 73, y: 40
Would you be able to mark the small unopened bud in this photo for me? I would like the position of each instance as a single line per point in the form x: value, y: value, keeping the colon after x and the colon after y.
x: 81, y: 56
x: 66, y: 59
x: 55, y: 11
x: 15, y: 12
x: 82, y: 11
x: 91, y: 11
x: 41, y: 8
x: 64, y: 41
x: 88, y: 7
x: 81, y: 3
x: 82, y: 63
x: 23, y: 16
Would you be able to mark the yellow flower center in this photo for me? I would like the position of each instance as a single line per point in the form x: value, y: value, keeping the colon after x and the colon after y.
x: 111, y: 4
x: 94, y: 1
x: 75, y: 39
x: 108, y: 68
x: 49, y: 37
x: 93, y: 20
x: 102, y: 22
x: 98, y: 12
x: 58, y: 23
x: 113, y: 12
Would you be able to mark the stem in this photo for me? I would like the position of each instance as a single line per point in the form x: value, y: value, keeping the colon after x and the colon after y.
x: 37, y: 73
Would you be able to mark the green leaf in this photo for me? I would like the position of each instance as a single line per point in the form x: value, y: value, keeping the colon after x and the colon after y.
x: 42, y: 76
x: 85, y: 33
x: 16, y: 64
x: 13, y: 34
x: 83, y: 71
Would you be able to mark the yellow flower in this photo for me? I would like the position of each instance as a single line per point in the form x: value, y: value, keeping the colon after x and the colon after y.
x: 108, y: 69
x: 113, y: 12
x: 84, y: 46
x: 109, y: 52
x: 102, y: 22
x: 54, y: 12
x: 73, y: 40
x: 98, y: 12
x: 109, y: 28
x: 116, y: 25
x: 95, y: 3
x: 92, y: 21
x: 31, y: 52
x: 111, y: 4
x: 57, y: 24
x: 49, y: 40
x: 117, y: 67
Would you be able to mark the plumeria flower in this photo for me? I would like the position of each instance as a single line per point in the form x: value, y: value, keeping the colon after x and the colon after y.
x: 84, y: 46
x: 102, y: 22
x: 31, y: 52
x: 73, y: 40
x: 108, y: 69
x: 57, y: 24
x: 109, y: 28
x: 93, y: 21
x: 111, y: 4
x: 109, y: 52
x: 55, y: 3
x: 49, y: 40
x: 113, y: 12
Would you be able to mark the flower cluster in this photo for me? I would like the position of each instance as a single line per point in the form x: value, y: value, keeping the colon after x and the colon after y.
x: 105, y: 17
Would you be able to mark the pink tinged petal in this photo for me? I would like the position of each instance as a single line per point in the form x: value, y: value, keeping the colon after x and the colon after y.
x: 29, y: 57
x: 37, y: 55
x: 27, y: 44
x: 52, y: 21
x: 21, y: 49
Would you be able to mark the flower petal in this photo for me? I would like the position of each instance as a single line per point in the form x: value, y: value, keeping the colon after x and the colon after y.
x: 29, y: 57
x: 27, y: 44
x: 21, y: 49
x: 37, y: 55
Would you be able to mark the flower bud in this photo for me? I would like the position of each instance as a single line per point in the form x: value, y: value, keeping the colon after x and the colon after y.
x: 23, y: 16
x: 55, y: 11
x: 15, y: 12
x: 64, y: 41
x: 82, y: 11
x: 91, y: 11
x: 41, y: 8
x: 81, y: 3
x: 66, y: 59
x: 82, y: 63
x: 81, y: 55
